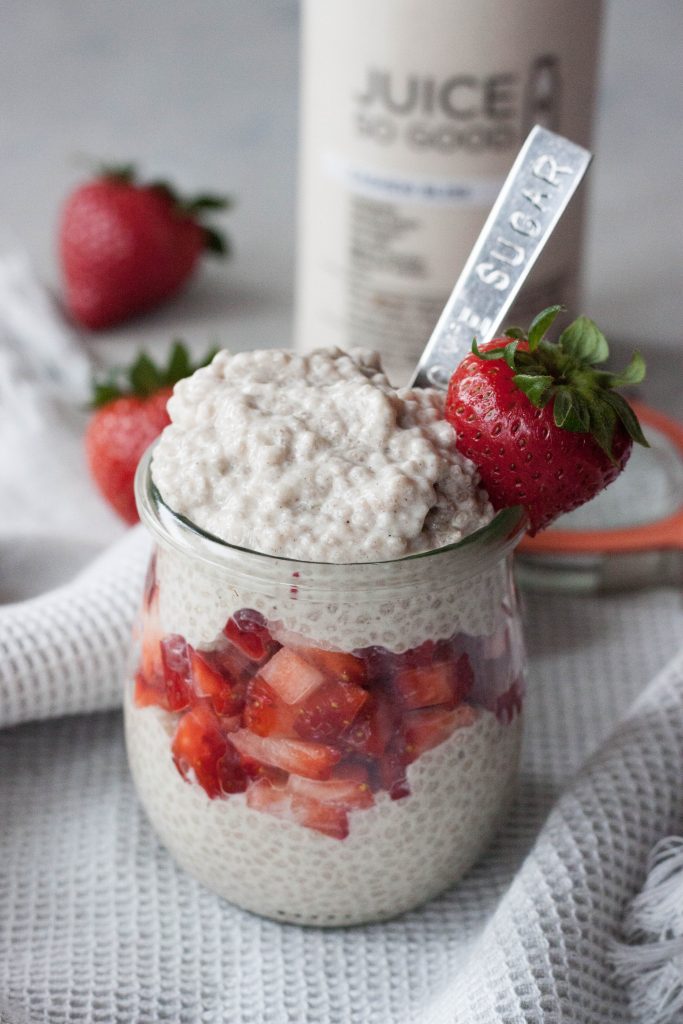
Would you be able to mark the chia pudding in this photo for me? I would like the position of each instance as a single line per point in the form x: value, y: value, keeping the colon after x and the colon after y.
x: 324, y: 724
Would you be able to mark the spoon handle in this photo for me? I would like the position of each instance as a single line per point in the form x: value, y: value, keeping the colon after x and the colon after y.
x: 542, y: 180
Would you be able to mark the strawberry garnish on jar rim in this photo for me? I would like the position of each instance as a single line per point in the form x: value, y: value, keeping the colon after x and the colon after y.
x: 541, y: 420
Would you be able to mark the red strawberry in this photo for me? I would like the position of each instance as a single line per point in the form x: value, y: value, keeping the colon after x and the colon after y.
x: 265, y: 713
x: 328, y: 818
x: 199, y: 750
x: 213, y: 678
x: 125, y: 247
x: 423, y: 687
x: 312, y: 760
x: 336, y: 664
x: 445, y: 682
x: 176, y: 662
x: 130, y: 412
x: 348, y: 787
x: 329, y: 710
x: 290, y: 676
x: 429, y: 727
x: 543, y: 425
x: 373, y: 727
x: 247, y: 630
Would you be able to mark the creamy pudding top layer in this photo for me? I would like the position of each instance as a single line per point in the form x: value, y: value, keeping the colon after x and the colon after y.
x: 315, y: 457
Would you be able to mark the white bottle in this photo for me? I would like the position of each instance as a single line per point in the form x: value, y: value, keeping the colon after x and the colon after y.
x: 412, y: 114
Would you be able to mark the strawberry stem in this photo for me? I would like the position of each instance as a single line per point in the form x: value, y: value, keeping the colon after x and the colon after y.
x: 584, y: 398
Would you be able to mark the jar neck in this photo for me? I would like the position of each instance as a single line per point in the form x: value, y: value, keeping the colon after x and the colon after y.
x: 477, y: 553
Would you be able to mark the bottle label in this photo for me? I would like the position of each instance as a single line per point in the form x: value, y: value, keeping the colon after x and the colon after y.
x: 405, y: 147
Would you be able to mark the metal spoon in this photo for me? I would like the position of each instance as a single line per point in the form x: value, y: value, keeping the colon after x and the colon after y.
x: 543, y: 179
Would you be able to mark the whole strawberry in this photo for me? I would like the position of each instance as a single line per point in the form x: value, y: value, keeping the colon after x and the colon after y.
x: 125, y: 247
x: 540, y: 420
x: 130, y: 412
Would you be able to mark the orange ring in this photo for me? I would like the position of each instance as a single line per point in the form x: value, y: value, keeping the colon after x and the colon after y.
x: 666, y: 533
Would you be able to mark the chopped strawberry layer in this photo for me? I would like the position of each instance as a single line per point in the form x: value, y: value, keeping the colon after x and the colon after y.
x: 175, y: 659
x: 327, y: 818
x: 372, y: 728
x: 313, y: 760
x: 309, y: 735
x: 247, y: 630
x: 265, y: 713
x: 336, y: 664
x: 199, y: 747
x: 428, y: 727
x: 147, y: 693
x: 329, y: 710
x: 423, y: 687
x: 291, y: 676
x: 349, y: 787
x: 221, y: 681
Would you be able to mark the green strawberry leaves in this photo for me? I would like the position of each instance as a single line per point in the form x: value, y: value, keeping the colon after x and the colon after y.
x: 144, y: 377
x: 565, y: 372
x: 195, y: 207
x: 540, y: 324
x: 584, y: 342
x: 537, y: 387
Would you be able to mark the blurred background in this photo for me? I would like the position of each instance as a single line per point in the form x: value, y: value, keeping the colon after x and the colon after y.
x: 207, y: 93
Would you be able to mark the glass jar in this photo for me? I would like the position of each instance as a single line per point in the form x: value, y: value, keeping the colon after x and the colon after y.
x: 325, y: 744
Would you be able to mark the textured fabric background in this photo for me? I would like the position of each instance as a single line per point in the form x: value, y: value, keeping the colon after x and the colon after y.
x: 97, y: 924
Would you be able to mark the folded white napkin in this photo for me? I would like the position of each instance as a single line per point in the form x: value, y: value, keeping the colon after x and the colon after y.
x: 67, y: 649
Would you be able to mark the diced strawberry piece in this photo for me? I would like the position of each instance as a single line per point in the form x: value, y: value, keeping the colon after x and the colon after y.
x: 176, y: 667
x: 198, y: 748
x: 212, y: 678
x: 148, y: 694
x: 444, y: 682
x: 150, y: 682
x: 265, y: 714
x: 463, y: 681
x: 423, y: 687
x: 380, y: 665
x: 373, y: 727
x: 336, y: 664
x: 509, y: 704
x: 232, y: 777
x: 392, y: 770
x: 348, y: 787
x: 230, y: 723
x: 329, y: 819
x: 419, y: 657
x: 150, y: 658
x: 262, y: 795
x: 290, y: 676
x: 264, y: 772
x: 429, y: 727
x: 312, y: 760
x: 247, y: 630
x: 329, y: 710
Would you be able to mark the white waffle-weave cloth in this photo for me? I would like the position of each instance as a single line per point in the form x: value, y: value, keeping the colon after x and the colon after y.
x: 66, y: 650
x: 97, y: 924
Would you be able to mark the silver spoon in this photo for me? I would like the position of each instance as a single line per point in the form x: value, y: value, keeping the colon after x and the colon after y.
x: 543, y: 179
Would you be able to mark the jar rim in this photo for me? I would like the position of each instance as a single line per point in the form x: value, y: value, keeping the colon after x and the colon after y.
x: 474, y: 553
